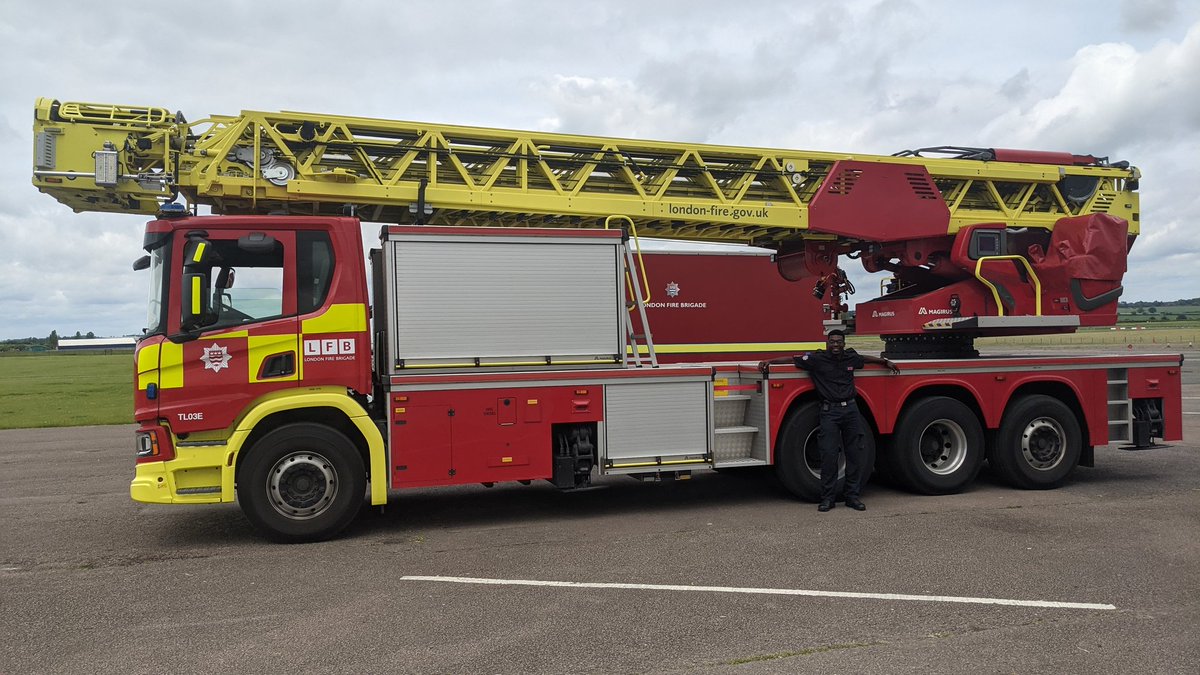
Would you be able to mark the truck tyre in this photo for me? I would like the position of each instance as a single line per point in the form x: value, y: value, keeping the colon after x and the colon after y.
x: 937, y: 447
x: 1038, y: 443
x: 301, y: 482
x: 798, y: 459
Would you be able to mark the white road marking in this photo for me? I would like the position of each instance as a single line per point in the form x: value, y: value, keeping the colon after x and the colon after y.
x: 1191, y: 413
x: 766, y: 591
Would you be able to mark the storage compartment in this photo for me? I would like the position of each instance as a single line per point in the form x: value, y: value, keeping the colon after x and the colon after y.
x: 458, y: 299
x: 649, y: 425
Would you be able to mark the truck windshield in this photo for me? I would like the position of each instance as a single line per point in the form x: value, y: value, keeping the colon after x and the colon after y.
x: 156, y: 307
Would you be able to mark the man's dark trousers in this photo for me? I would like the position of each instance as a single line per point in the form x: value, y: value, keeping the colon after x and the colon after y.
x: 840, y: 431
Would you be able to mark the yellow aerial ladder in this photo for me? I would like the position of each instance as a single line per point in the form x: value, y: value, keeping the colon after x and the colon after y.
x: 980, y: 241
x: 129, y: 159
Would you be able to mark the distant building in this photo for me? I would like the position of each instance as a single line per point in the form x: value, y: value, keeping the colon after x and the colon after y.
x: 96, y: 344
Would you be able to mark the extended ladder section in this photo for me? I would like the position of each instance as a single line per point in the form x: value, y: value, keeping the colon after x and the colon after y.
x: 127, y: 159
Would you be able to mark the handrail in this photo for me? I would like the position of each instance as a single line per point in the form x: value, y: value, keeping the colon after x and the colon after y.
x: 637, y: 247
x: 1037, y: 284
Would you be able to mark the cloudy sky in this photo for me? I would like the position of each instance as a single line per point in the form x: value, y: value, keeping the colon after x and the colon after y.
x: 1105, y: 77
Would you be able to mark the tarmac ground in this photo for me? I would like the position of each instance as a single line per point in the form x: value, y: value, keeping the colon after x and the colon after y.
x: 1101, y: 575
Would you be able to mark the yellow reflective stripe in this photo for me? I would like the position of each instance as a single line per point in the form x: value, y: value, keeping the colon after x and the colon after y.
x: 147, y: 366
x: 171, y: 366
x: 348, y: 318
x: 260, y: 347
x: 732, y: 347
x: 199, y: 252
x: 195, y: 296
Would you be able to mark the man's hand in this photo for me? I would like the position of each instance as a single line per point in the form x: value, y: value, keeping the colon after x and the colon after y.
x: 891, y: 365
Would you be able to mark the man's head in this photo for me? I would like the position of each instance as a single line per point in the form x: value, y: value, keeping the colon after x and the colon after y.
x: 835, y: 341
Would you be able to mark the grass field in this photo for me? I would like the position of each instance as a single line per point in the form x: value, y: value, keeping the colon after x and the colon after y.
x: 65, y: 390
x: 1166, y: 313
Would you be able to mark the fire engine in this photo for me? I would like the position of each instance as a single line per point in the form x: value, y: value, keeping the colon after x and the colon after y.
x: 505, y: 327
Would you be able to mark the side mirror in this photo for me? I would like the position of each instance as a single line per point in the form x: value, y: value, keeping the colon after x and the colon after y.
x: 225, y: 278
x: 197, y: 307
x: 141, y: 263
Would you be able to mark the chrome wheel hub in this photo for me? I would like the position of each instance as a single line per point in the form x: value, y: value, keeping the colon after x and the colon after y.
x: 302, y: 485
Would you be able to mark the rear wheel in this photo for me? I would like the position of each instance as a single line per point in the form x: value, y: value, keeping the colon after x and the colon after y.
x: 301, y: 482
x: 1038, y: 443
x: 798, y: 456
x: 938, y: 446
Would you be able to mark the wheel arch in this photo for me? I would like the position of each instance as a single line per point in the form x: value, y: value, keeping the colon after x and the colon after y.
x: 333, y: 408
x: 965, y: 395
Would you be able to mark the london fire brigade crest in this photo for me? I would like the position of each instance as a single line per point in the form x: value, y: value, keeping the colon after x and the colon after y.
x: 672, y: 290
x: 215, y: 358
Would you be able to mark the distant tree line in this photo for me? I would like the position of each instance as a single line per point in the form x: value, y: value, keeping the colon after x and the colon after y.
x: 1186, y: 309
x: 37, y: 344
x: 1157, y: 303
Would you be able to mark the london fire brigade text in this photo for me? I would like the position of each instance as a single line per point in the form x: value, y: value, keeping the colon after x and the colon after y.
x: 329, y: 350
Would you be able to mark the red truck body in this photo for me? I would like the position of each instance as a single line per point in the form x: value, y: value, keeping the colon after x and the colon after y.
x: 438, y: 392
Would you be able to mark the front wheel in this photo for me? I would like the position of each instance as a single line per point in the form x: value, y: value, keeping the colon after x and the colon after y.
x: 301, y: 482
x: 1038, y: 443
x: 937, y: 447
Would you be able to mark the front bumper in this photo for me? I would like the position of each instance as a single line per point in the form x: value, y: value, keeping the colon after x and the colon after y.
x: 199, y: 475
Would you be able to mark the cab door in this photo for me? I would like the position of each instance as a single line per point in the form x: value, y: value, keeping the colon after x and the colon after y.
x: 235, y: 336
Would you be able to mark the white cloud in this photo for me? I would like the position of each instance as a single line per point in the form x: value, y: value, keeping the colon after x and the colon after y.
x: 609, y: 107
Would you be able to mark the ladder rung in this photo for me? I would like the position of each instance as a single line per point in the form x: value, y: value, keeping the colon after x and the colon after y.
x: 735, y: 430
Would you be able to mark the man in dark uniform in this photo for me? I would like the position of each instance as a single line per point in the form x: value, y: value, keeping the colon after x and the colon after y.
x: 832, y: 372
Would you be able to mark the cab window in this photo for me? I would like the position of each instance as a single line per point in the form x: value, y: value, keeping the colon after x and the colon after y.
x: 247, y: 286
x: 314, y: 270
